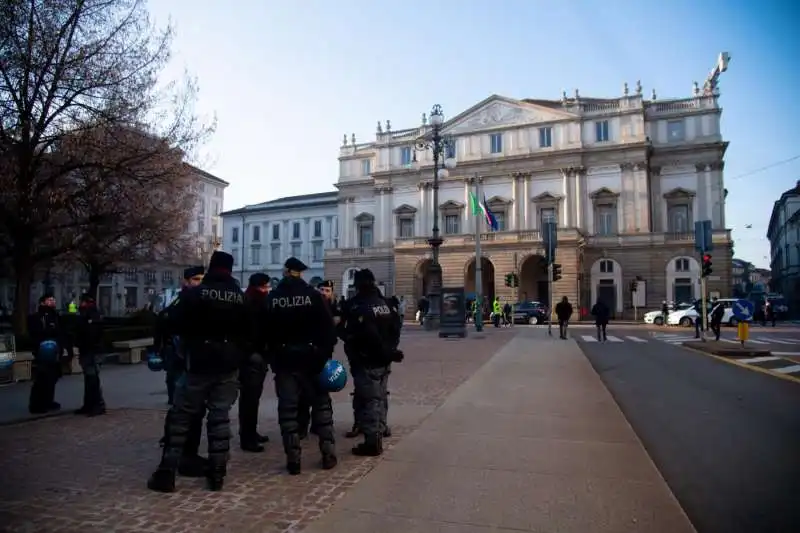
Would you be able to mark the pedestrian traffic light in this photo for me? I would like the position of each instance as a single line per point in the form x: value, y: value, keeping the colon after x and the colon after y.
x: 509, y: 279
x: 556, y: 272
x: 634, y: 285
x: 707, y: 270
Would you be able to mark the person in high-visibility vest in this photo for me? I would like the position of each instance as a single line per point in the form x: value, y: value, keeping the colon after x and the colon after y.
x: 72, y: 308
x: 497, y: 311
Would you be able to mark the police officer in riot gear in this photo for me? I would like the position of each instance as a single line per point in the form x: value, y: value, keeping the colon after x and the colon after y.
x: 371, y: 332
x: 254, y: 369
x: 216, y: 330
x: 168, y: 345
x: 300, y: 340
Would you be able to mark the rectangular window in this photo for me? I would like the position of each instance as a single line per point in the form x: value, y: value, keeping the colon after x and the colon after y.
x: 601, y: 131
x: 451, y: 226
x: 317, y: 253
x: 150, y: 276
x: 365, y: 236
x: 235, y: 254
x: 235, y: 235
x: 366, y: 167
x: 276, y: 232
x: 296, y: 250
x: 675, y: 131
x: 255, y: 255
x: 295, y: 230
x: 201, y: 226
x: 606, y: 266
x: 275, y: 254
x: 682, y: 265
x: 545, y: 137
x: 678, y: 218
x: 500, y: 216
x: 496, y: 141
x: 547, y: 215
x: 317, y: 228
x: 405, y: 228
x: 450, y: 149
x: 131, y: 274
x: 405, y: 156
x: 256, y: 233
x: 606, y: 220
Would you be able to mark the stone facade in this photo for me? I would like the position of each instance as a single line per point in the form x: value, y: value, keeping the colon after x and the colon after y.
x: 624, y: 179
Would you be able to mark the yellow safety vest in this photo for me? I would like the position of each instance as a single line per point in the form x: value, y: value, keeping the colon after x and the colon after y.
x: 72, y: 308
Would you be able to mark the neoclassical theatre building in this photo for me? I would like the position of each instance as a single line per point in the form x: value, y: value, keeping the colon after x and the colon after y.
x: 624, y: 178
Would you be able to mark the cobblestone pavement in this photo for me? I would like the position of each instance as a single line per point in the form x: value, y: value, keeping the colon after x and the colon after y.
x: 73, y: 474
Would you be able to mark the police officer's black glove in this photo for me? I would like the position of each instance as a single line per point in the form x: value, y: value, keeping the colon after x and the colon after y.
x: 397, y: 356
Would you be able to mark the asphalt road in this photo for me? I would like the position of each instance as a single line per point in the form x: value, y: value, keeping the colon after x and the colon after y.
x: 726, y: 439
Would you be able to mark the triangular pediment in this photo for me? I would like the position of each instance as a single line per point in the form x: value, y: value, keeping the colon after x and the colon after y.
x: 365, y: 217
x: 498, y: 200
x: 679, y: 192
x: 405, y: 209
x: 604, y: 192
x: 501, y: 112
x: 546, y: 196
x: 451, y: 204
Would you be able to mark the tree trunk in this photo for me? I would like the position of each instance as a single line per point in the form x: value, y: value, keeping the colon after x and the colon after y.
x: 95, y: 271
x: 23, y: 271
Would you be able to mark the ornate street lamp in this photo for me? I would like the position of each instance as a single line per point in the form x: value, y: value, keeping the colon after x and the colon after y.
x: 438, y: 145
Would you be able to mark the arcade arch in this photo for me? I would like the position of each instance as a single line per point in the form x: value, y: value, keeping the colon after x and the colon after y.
x: 422, y: 279
x: 606, y: 284
x: 487, y: 279
x: 533, y: 282
x: 682, y: 275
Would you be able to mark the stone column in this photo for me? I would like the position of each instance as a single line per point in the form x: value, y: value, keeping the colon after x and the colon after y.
x: 466, y: 216
x: 526, y: 202
x: 718, y: 190
x: 641, y: 219
x: 380, y: 229
x: 511, y: 218
x: 577, y: 194
x: 566, y: 219
x: 419, y: 219
x: 657, y: 212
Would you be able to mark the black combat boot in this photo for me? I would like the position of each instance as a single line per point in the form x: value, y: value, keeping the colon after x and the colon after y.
x: 387, y: 432
x: 193, y: 466
x: 250, y: 444
x: 353, y: 433
x: 328, y: 450
x: 215, y: 478
x: 262, y: 439
x: 371, y: 447
x: 162, y: 480
x: 291, y: 446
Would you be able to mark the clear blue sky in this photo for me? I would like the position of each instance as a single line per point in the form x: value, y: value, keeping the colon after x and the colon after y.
x: 287, y: 79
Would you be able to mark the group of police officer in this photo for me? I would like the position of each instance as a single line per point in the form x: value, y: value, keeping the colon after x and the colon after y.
x: 218, y: 342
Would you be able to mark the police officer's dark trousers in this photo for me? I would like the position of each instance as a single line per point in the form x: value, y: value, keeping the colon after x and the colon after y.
x: 290, y: 387
x: 45, y: 376
x: 251, y: 380
x: 191, y: 464
x: 93, y: 402
x: 216, y: 393
x: 371, y: 404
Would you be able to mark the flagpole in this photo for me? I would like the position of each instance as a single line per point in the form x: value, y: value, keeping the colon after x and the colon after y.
x: 478, y: 263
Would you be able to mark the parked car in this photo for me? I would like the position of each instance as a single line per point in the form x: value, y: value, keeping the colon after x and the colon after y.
x: 657, y: 317
x: 687, y: 317
x: 530, y: 313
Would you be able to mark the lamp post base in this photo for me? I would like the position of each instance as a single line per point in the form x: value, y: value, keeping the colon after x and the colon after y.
x: 433, y: 316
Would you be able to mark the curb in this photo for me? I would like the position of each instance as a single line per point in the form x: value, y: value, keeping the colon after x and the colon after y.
x: 733, y: 361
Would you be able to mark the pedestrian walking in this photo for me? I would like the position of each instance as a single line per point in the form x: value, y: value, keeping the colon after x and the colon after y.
x: 601, y: 314
x: 563, y: 313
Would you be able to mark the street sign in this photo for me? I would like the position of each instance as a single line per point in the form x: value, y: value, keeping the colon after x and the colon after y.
x: 703, y: 241
x: 743, y: 310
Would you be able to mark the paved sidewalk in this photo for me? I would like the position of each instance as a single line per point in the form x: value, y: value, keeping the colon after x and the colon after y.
x: 532, y: 442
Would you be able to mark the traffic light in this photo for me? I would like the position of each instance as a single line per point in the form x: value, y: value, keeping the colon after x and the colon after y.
x: 509, y: 279
x: 634, y: 285
x: 514, y: 280
x: 707, y: 270
x: 556, y: 272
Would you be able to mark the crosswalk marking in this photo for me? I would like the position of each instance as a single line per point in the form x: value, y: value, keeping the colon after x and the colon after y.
x: 763, y: 359
x: 635, y: 339
x: 787, y: 369
x: 783, y: 354
x: 779, y: 341
x: 752, y: 341
x: 588, y: 338
x: 611, y: 338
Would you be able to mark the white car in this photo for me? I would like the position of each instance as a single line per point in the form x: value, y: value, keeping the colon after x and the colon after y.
x: 687, y: 317
x: 657, y: 317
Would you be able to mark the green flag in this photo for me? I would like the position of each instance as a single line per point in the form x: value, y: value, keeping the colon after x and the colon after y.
x: 474, y: 204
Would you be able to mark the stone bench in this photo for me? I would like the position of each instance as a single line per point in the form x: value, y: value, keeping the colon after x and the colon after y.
x: 132, y: 351
x: 23, y: 366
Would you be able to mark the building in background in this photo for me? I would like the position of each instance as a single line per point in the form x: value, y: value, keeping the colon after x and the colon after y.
x: 624, y: 178
x: 262, y: 236
x: 748, y: 281
x: 136, y: 286
x: 783, y: 234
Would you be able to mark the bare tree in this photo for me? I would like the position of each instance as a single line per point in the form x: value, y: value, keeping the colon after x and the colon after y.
x: 140, y: 212
x: 70, y: 68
